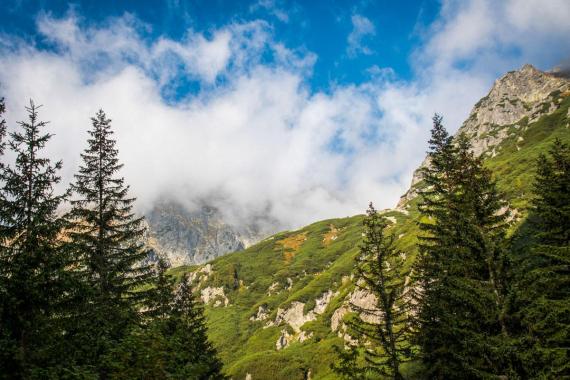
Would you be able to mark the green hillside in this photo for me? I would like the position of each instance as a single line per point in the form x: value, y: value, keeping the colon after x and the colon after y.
x: 302, y: 266
x: 315, y: 259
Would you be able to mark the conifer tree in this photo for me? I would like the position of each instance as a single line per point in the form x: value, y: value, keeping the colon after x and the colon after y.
x: 2, y: 129
x: 5, y: 339
x: 107, y: 242
x: 543, y: 289
x: 381, y: 271
x: 161, y: 297
x: 461, y: 263
x: 192, y: 354
x: 32, y: 261
x: 172, y: 346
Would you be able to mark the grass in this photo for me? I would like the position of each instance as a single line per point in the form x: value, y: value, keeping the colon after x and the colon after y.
x: 306, y: 263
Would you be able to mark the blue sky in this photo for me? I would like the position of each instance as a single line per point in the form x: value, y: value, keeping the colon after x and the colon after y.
x: 390, y: 31
x: 280, y: 113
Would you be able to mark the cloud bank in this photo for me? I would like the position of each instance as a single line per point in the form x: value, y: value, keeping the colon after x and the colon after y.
x: 254, y: 139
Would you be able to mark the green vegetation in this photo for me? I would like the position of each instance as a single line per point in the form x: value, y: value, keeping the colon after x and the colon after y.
x: 77, y: 300
x: 382, y: 329
x: 247, y: 346
x: 513, y: 165
x: 461, y: 270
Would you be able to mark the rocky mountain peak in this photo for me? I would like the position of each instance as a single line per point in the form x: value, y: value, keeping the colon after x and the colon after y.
x: 186, y: 236
x: 196, y: 235
x: 527, y: 84
x: 527, y: 92
x: 516, y: 100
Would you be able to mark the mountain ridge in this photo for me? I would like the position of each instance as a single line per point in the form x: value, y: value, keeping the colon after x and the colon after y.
x: 277, y: 309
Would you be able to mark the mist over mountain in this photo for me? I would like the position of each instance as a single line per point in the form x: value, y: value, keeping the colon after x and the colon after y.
x: 238, y: 117
x: 293, y: 295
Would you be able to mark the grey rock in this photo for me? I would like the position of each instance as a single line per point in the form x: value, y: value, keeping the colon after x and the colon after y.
x: 524, y: 93
x: 189, y: 237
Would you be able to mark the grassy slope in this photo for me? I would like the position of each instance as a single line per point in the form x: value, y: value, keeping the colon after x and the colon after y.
x: 316, y: 264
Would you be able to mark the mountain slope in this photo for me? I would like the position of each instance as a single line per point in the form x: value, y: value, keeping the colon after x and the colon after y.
x: 197, y: 236
x: 275, y: 309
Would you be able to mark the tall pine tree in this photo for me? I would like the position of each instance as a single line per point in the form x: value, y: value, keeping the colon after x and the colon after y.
x: 381, y: 271
x: 2, y: 129
x: 107, y: 242
x: 32, y: 261
x: 192, y: 354
x: 543, y: 286
x: 174, y: 345
x: 460, y: 267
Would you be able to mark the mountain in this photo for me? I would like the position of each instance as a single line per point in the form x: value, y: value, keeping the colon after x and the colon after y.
x: 276, y: 309
x: 515, y: 103
x: 185, y: 237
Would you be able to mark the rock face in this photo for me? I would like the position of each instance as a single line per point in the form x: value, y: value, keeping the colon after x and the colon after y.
x: 216, y: 295
x: 517, y: 98
x: 294, y: 316
x: 190, y: 237
x: 261, y: 315
x: 517, y: 94
x: 323, y: 301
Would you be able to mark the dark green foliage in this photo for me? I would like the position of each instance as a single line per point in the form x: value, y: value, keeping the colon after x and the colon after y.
x: 107, y: 243
x: 461, y: 267
x: 160, y: 298
x: 76, y: 302
x: 33, y: 280
x: 173, y: 346
x: 542, y: 292
x: 193, y: 355
x: 2, y: 129
x: 381, y: 271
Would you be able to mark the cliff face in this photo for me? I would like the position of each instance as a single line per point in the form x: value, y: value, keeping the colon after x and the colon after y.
x: 190, y: 237
x: 517, y: 99
x: 526, y: 93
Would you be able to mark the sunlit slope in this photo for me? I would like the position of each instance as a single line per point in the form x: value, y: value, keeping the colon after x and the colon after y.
x: 276, y: 309
x: 308, y: 266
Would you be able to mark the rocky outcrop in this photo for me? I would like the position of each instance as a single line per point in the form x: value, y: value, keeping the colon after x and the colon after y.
x: 518, y: 94
x: 359, y: 301
x: 261, y: 315
x: 216, y: 295
x: 273, y: 288
x: 323, y: 301
x: 284, y: 339
x: 516, y: 99
x: 338, y: 316
x: 190, y: 237
x: 294, y: 316
x: 201, y: 275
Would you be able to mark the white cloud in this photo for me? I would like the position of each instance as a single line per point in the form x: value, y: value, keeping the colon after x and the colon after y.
x: 256, y: 141
x: 275, y: 8
x: 361, y: 27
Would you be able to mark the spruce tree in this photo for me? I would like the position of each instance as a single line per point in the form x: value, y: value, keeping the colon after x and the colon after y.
x: 543, y: 286
x: 161, y: 298
x: 107, y: 242
x: 5, y: 340
x: 2, y: 130
x: 381, y: 271
x: 461, y: 266
x: 32, y: 261
x: 192, y: 354
x: 172, y: 346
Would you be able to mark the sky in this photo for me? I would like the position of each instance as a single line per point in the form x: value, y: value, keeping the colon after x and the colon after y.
x: 281, y: 111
